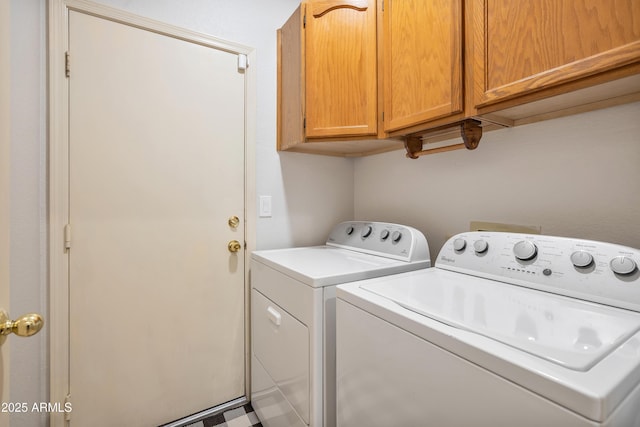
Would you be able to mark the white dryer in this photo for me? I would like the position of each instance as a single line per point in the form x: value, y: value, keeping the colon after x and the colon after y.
x: 507, y: 330
x: 293, y: 315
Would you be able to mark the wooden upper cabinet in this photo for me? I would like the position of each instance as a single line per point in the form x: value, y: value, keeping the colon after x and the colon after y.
x: 530, y: 46
x: 353, y: 73
x: 341, y: 68
x: 328, y: 85
x: 422, y: 61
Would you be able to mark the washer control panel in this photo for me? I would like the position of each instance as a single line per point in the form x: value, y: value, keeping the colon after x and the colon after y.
x: 595, y: 271
x: 381, y: 238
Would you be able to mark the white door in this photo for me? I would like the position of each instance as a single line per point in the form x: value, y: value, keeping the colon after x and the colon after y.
x: 156, y: 157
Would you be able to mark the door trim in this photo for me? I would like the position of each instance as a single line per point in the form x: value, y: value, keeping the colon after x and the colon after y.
x: 59, y: 173
x: 5, y: 191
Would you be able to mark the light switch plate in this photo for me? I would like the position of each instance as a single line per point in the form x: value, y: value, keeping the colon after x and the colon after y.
x: 265, y: 207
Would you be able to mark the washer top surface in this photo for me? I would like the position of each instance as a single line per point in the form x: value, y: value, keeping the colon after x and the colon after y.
x: 355, y: 250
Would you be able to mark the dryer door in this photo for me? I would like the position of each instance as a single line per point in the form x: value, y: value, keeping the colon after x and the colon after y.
x: 281, y: 344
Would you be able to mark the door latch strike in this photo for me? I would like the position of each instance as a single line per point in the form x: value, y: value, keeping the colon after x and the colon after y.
x: 67, y: 65
x: 67, y: 236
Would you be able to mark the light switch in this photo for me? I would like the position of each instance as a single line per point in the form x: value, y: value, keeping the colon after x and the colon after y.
x: 265, y: 207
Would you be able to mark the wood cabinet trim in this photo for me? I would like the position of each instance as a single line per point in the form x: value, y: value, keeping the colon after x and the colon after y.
x: 614, y: 58
x: 569, y: 90
x: 279, y: 115
x: 318, y: 9
x: 290, y: 101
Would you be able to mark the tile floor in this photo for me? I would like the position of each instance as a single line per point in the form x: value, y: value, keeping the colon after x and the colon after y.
x: 243, y: 416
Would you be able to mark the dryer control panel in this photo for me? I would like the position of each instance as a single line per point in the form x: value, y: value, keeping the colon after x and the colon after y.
x: 595, y: 271
x: 381, y: 238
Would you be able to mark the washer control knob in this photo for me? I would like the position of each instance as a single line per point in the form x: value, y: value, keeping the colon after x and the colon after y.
x: 480, y: 246
x: 384, y: 235
x: 459, y: 244
x: 581, y: 259
x: 525, y: 250
x: 366, y: 231
x: 396, y: 236
x: 623, y: 265
x: 349, y: 230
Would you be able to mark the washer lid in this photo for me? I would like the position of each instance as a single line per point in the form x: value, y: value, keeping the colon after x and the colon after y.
x: 572, y: 333
x: 327, y: 265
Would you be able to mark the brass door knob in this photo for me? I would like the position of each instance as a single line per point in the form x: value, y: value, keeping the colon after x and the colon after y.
x: 24, y: 326
x: 234, y: 246
x: 234, y: 221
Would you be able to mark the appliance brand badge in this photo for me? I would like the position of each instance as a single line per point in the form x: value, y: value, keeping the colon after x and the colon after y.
x: 447, y: 259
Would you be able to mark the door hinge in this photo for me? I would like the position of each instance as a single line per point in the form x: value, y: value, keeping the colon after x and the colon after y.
x: 304, y: 21
x: 383, y: 5
x: 67, y: 408
x: 67, y: 65
x: 243, y: 62
x: 67, y: 236
x: 304, y: 123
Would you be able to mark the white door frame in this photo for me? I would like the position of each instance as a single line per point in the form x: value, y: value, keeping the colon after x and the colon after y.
x: 5, y: 191
x: 59, y: 173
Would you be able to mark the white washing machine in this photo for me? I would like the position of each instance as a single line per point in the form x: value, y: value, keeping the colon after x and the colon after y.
x: 293, y: 315
x: 507, y: 330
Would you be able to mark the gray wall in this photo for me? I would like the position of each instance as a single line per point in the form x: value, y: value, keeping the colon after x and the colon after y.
x: 577, y: 176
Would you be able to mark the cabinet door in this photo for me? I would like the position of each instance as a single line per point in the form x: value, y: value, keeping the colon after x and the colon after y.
x: 340, y: 68
x: 422, y: 61
x: 530, y: 45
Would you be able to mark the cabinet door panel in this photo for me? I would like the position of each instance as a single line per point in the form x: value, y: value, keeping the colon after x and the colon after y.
x: 340, y: 68
x: 557, y: 41
x: 422, y: 61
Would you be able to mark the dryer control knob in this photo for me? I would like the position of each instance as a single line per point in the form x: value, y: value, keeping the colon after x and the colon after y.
x: 581, y: 259
x: 349, y: 230
x: 525, y: 250
x: 384, y: 235
x: 459, y: 244
x: 396, y: 236
x: 623, y: 265
x: 480, y: 246
x: 366, y: 231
